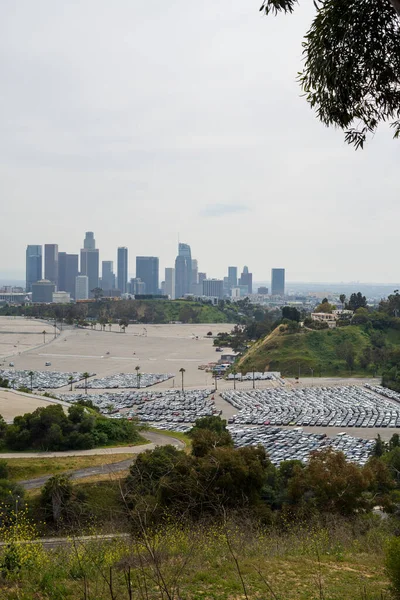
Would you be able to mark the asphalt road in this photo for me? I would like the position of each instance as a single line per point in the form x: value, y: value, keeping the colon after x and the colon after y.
x: 156, y: 439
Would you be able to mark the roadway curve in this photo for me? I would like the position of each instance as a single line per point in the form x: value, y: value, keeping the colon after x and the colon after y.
x: 156, y: 439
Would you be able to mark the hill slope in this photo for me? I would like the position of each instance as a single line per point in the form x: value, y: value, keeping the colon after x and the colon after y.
x: 323, y: 351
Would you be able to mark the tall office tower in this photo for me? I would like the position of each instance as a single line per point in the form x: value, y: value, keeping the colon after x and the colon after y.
x: 107, y: 275
x: 62, y: 271
x: 232, y: 277
x: 278, y: 282
x: 246, y: 279
x: 90, y: 261
x: 67, y: 272
x: 81, y: 287
x: 213, y: 288
x: 183, y: 271
x: 170, y: 282
x: 227, y: 287
x: 51, y: 263
x: 195, y: 272
x: 33, y: 265
x: 122, y: 269
x: 147, y: 270
x: 89, y: 243
x: 202, y: 277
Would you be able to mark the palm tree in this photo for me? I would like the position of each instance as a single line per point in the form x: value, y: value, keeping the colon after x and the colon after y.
x: 85, y: 376
x: 70, y: 381
x: 137, y: 369
x: 31, y: 374
x: 182, y: 371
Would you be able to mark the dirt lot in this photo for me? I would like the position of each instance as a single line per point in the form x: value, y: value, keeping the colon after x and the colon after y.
x: 13, y: 403
x: 17, y: 335
x: 155, y: 348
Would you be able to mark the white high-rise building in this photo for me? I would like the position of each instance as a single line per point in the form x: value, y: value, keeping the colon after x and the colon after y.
x: 81, y: 287
x: 170, y: 282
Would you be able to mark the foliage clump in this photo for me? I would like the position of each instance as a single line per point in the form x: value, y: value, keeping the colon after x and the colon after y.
x: 49, y: 428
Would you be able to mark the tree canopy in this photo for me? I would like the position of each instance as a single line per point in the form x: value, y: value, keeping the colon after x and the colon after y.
x: 351, y: 74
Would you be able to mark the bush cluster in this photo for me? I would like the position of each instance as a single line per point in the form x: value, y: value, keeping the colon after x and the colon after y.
x: 49, y: 428
x: 216, y: 477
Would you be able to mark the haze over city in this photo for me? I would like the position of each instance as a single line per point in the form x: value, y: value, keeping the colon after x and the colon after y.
x: 146, y: 123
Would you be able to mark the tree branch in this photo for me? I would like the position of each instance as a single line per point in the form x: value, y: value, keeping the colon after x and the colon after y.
x: 396, y: 6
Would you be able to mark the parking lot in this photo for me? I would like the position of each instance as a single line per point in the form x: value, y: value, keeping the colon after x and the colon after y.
x: 126, y: 380
x: 42, y: 380
x: 171, y: 406
x: 154, y: 348
x: 294, y: 444
x: 346, y: 406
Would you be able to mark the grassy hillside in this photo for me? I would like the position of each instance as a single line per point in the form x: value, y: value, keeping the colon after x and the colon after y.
x: 323, y: 351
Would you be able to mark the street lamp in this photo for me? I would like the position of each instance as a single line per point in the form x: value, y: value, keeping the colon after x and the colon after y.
x: 254, y: 381
x: 137, y: 369
x: 181, y: 371
x: 312, y: 376
x: 31, y: 376
x: 215, y: 378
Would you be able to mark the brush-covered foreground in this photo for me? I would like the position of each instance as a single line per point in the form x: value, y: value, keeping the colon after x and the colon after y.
x: 231, y: 559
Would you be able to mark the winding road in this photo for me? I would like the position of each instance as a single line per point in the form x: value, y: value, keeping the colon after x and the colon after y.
x: 156, y: 439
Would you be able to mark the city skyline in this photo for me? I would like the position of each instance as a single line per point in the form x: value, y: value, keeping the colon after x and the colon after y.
x: 64, y: 271
x: 243, y: 168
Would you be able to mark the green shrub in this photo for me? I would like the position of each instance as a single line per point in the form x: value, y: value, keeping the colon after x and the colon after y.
x: 392, y: 565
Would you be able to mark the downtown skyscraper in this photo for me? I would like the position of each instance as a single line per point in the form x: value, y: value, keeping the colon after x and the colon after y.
x: 51, y: 263
x: 33, y: 265
x: 147, y: 270
x: 122, y: 269
x: 183, y: 271
x: 90, y: 261
x: 278, y: 282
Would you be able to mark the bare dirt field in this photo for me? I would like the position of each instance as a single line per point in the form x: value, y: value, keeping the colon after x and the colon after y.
x: 13, y: 403
x: 155, y: 348
x: 17, y: 335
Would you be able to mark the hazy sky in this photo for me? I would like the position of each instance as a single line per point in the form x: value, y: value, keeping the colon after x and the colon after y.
x: 141, y: 121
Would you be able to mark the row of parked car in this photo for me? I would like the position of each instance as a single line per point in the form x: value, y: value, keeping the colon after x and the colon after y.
x: 172, y: 405
x: 290, y: 444
x: 296, y: 444
x: 40, y: 380
x: 345, y: 406
x: 257, y: 376
x: 127, y: 380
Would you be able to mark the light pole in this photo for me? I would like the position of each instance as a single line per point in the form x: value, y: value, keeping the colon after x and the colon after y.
x: 44, y: 336
x: 299, y: 370
x: 215, y: 377
x: 137, y: 369
x: 31, y: 376
x: 182, y: 371
x: 254, y: 381
x: 312, y: 376
x: 234, y: 380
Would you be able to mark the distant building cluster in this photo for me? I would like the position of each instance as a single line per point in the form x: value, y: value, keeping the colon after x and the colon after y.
x: 68, y: 277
